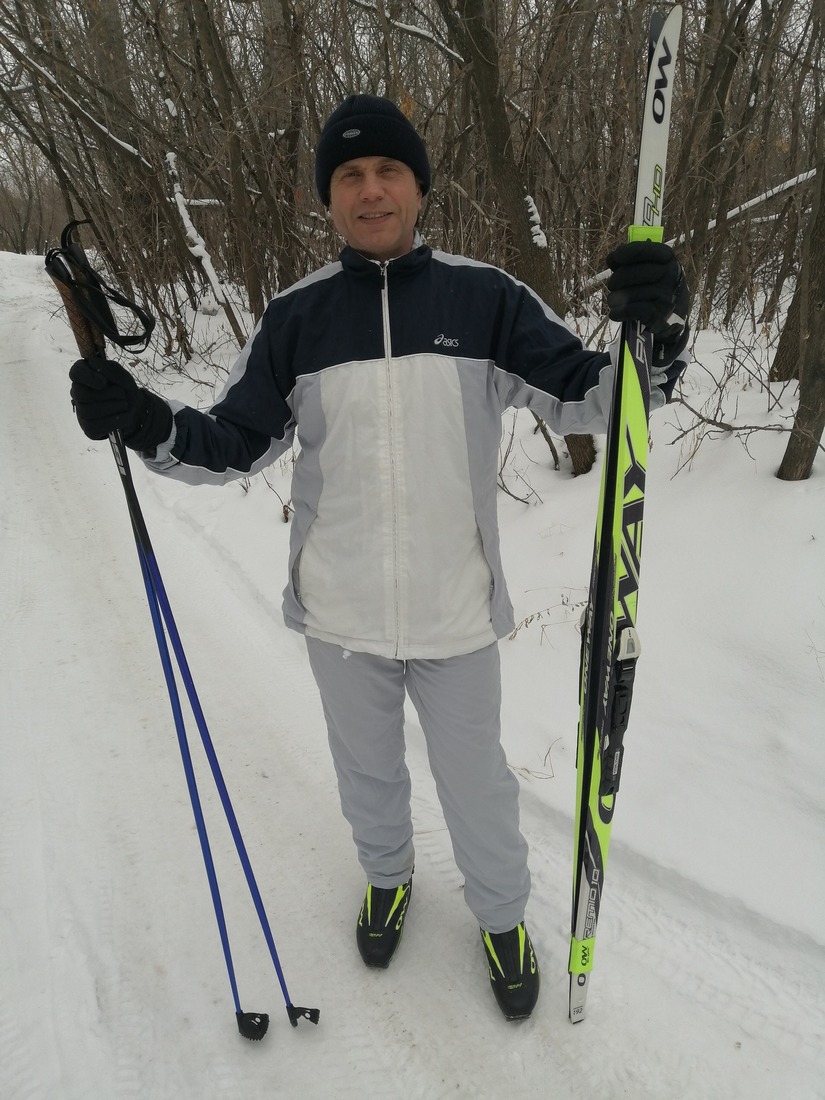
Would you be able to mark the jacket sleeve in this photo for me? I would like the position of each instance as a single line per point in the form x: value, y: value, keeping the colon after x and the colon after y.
x: 551, y: 372
x: 247, y: 428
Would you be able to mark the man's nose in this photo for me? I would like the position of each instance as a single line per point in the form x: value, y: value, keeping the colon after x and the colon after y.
x: 371, y: 186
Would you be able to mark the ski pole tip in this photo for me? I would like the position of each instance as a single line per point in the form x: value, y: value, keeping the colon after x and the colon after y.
x: 252, y: 1025
x: 295, y: 1014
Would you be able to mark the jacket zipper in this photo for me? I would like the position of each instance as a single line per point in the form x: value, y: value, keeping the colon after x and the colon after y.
x: 391, y: 420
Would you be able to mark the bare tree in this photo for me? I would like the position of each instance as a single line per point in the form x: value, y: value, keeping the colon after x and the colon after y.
x: 190, y: 125
x: 809, y: 338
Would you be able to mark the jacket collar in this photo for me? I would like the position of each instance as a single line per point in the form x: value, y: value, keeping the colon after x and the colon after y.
x: 357, y: 264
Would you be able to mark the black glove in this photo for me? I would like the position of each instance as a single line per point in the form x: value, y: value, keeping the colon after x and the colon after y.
x: 648, y: 285
x: 106, y: 398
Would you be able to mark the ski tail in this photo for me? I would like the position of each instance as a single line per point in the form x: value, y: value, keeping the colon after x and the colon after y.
x: 610, y: 642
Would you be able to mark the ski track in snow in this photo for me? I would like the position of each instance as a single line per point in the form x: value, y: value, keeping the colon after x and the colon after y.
x: 739, y: 950
x: 109, y: 945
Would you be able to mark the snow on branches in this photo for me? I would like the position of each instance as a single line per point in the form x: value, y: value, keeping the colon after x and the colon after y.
x: 539, y: 239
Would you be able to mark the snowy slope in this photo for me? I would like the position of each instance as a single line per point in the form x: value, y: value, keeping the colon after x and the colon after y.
x: 710, y: 962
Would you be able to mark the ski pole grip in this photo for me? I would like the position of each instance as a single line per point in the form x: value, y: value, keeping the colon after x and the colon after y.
x: 89, y: 343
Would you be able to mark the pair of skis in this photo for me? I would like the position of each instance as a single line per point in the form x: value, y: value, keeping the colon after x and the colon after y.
x: 610, y: 643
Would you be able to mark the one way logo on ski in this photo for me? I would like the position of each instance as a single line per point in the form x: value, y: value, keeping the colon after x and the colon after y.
x: 659, y: 105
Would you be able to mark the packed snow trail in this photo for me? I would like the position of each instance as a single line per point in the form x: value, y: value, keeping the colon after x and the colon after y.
x: 113, y: 981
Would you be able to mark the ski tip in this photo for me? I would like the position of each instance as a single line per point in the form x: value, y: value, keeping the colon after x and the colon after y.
x: 657, y: 22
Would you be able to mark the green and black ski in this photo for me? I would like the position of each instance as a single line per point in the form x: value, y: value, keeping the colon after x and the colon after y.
x: 610, y: 644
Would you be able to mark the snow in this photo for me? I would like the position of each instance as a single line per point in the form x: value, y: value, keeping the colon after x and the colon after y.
x: 710, y: 964
x: 788, y: 185
x: 197, y: 245
x: 537, y: 233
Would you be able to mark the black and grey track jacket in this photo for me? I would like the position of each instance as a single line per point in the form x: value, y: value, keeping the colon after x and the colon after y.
x: 393, y: 377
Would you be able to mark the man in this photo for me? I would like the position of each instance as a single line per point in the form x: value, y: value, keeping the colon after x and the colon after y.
x: 393, y: 367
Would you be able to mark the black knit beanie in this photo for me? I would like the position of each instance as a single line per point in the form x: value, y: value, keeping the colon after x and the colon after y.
x: 368, y: 126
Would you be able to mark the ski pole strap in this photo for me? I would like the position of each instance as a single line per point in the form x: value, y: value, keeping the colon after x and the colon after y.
x: 86, y: 294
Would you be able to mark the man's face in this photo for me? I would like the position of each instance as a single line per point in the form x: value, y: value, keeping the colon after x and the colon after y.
x: 374, y: 204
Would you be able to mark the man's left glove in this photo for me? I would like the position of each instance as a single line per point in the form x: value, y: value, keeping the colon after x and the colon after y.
x: 106, y: 398
x: 648, y: 285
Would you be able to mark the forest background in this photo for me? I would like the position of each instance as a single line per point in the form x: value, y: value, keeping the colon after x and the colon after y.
x: 184, y: 131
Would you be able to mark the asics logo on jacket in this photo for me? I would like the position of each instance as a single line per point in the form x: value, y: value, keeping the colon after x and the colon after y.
x: 394, y: 546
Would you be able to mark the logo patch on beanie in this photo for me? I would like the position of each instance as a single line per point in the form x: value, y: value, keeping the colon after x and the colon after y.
x: 350, y: 133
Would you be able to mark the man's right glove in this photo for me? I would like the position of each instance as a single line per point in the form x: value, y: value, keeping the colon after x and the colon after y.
x: 106, y: 398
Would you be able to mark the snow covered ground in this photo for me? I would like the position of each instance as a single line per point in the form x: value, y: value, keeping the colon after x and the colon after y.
x: 710, y: 964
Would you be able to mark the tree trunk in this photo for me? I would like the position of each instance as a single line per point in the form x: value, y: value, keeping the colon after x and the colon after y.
x: 473, y: 34
x: 809, y: 423
x: 241, y: 212
x: 785, y: 365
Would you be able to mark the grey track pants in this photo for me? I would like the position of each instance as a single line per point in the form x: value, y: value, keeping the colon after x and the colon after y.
x: 458, y: 703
